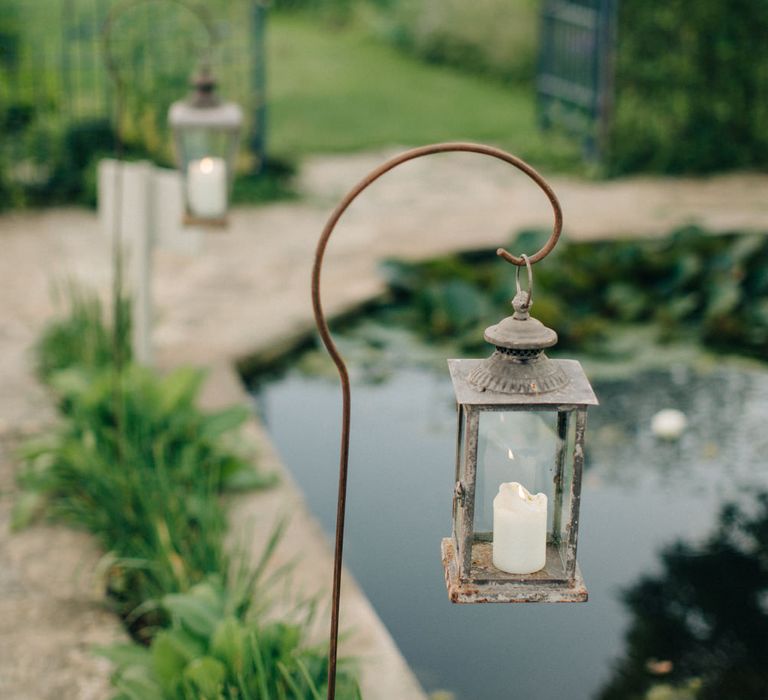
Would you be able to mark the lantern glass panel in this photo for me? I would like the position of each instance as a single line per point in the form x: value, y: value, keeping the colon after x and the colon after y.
x: 205, y: 142
x: 534, y: 448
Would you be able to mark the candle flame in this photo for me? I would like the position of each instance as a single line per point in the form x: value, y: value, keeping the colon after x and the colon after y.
x: 206, y: 165
x: 510, y: 454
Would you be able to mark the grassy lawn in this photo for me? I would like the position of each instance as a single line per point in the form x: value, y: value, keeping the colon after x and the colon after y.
x: 334, y: 90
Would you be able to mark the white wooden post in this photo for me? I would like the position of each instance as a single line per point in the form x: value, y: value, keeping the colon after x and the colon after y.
x: 150, y: 204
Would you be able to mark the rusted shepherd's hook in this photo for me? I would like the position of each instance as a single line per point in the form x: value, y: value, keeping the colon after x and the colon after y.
x: 322, y: 327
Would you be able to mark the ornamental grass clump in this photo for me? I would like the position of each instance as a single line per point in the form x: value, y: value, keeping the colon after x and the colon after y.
x: 82, y: 337
x: 142, y: 468
x: 135, y: 462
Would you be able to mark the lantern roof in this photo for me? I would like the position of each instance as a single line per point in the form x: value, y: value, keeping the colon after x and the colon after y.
x: 576, y: 391
x: 520, y: 331
x: 222, y: 115
x: 202, y: 108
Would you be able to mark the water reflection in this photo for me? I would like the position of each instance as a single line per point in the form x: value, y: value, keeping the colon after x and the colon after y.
x: 639, y: 495
x: 702, y: 623
x: 723, y: 406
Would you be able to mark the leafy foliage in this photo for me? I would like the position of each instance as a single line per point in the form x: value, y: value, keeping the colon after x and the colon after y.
x: 82, y: 336
x: 713, y: 286
x: 212, y: 652
x: 692, y: 93
x: 58, y: 96
x: 665, y: 691
x: 136, y: 463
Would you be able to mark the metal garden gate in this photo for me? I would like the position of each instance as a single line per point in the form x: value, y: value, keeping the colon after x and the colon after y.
x: 574, y: 82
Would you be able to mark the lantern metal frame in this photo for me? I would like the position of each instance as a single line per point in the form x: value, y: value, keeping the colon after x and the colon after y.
x: 570, y: 394
x: 203, y: 110
x: 467, y: 555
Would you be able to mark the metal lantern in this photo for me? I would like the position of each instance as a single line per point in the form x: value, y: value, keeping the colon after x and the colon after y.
x: 519, y: 462
x: 206, y: 134
x: 520, y: 446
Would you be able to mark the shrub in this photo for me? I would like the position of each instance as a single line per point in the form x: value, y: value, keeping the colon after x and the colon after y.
x: 139, y: 466
x: 692, y: 86
x: 497, y: 37
x: 211, y: 651
x: 136, y: 463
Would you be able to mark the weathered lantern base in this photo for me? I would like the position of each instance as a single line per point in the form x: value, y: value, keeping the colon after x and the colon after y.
x: 506, y: 591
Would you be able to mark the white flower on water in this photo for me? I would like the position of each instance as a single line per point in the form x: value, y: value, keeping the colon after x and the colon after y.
x: 669, y: 424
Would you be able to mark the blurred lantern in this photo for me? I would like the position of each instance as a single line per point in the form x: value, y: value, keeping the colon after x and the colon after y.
x: 206, y: 134
x: 520, y: 455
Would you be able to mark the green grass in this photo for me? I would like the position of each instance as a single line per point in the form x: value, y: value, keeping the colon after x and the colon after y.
x: 339, y: 90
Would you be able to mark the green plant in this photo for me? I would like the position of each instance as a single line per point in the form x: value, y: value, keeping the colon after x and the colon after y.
x: 273, y: 182
x: 82, y: 144
x: 136, y: 463
x: 331, y: 12
x: 82, y: 336
x: 711, y: 286
x: 692, y: 93
x: 213, y: 651
x: 665, y: 691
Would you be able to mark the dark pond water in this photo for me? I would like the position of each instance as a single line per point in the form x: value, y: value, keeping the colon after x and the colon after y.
x: 640, y: 496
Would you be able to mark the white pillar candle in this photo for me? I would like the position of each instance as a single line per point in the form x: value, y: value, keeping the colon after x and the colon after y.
x: 207, y: 187
x: 519, y: 529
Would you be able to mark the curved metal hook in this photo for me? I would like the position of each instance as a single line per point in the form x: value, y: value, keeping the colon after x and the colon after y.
x: 333, y: 351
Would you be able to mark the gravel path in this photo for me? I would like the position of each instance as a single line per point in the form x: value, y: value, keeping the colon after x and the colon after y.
x: 244, y: 291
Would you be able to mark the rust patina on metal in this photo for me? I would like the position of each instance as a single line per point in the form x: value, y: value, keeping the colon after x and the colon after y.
x: 535, y: 589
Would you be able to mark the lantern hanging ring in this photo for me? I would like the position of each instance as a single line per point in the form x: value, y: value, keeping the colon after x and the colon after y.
x: 325, y: 335
x: 528, y: 292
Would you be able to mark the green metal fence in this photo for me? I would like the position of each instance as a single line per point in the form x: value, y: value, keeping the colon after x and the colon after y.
x: 574, y: 81
x: 57, y: 103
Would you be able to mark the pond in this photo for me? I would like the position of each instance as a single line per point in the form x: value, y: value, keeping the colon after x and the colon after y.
x: 641, y: 496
